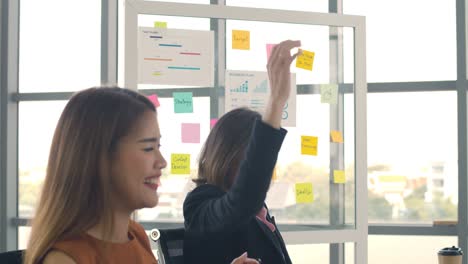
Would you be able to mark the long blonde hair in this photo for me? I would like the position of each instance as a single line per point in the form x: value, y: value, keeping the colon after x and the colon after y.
x: 76, y: 195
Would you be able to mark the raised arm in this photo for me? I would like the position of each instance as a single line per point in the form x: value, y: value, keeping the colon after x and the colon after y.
x: 208, y: 210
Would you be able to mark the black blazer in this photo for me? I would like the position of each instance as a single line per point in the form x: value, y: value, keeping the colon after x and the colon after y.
x: 220, y: 226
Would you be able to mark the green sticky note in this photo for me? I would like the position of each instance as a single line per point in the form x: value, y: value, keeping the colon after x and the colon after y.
x: 160, y: 24
x: 183, y: 102
x: 180, y: 163
x: 329, y: 93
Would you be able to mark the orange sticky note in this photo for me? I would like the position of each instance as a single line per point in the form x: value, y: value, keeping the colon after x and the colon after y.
x: 241, y: 39
x: 336, y: 136
x: 305, y: 60
x: 180, y: 163
x: 309, y: 145
x: 304, y: 193
x: 339, y: 176
x: 154, y: 99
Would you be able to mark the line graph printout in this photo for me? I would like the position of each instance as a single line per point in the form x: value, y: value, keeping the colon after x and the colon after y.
x: 251, y: 89
x: 175, y: 57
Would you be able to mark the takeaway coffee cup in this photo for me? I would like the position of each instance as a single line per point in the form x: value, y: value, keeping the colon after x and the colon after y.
x: 450, y: 255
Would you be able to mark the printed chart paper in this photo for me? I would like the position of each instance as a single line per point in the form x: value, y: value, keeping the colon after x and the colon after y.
x: 175, y: 57
x: 251, y: 89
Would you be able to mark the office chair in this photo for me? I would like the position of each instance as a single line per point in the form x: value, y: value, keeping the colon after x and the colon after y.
x: 12, y: 257
x: 169, y: 245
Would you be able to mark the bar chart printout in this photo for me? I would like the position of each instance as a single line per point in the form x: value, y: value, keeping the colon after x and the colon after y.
x: 251, y: 89
x: 175, y: 57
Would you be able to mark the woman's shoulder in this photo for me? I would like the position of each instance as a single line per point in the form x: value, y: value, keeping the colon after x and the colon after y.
x: 57, y: 256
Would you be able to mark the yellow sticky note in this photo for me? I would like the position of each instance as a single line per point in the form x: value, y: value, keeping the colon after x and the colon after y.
x: 274, y: 177
x: 339, y: 176
x: 336, y: 136
x: 241, y: 39
x: 305, y: 60
x: 160, y: 24
x: 180, y: 163
x: 309, y: 145
x: 304, y: 193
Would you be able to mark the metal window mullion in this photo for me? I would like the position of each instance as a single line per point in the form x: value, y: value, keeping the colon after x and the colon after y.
x: 109, y: 40
x: 462, y: 126
x: 337, y: 194
x: 360, y: 175
x: 9, y: 124
x: 217, y: 93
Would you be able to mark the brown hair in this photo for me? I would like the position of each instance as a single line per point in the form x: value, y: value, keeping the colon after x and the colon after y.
x: 224, y: 148
x: 75, y: 195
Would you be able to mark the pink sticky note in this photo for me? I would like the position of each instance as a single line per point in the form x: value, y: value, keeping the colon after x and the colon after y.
x: 269, y: 48
x: 213, y: 122
x: 154, y: 99
x: 190, y: 133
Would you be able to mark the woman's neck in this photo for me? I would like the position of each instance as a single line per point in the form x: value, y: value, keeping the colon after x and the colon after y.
x: 120, y: 232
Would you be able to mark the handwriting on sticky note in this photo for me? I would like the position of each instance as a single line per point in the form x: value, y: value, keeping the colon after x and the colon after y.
x: 339, y: 176
x: 309, y: 145
x: 213, y: 122
x: 160, y: 24
x: 336, y: 136
x: 183, y: 102
x: 304, y: 193
x: 269, y: 49
x: 180, y: 163
x: 241, y: 39
x: 305, y: 60
x: 190, y: 133
x: 154, y: 99
x: 329, y: 93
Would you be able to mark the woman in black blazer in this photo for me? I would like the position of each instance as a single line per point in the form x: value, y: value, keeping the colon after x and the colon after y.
x: 223, y: 214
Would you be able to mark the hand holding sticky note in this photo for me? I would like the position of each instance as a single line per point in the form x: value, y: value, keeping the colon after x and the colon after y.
x: 339, y: 176
x: 305, y: 60
x: 180, y: 163
x: 304, y: 193
x: 241, y: 39
x: 309, y: 145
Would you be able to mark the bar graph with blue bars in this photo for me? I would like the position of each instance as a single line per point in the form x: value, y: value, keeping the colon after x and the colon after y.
x: 243, y: 88
x: 261, y: 88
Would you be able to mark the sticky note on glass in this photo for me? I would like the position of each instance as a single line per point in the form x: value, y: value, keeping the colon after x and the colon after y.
x: 309, y: 145
x: 304, y: 193
x: 241, y: 39
x: 154, y: 99
x: 180, y: 163
x: 190, y: 133
x: 160, y: 24
x: 339, y: 176
x: 305, y: 60
x: 213, y: 122
x: 269, y: 49
x: 183, y: 102
x: 329, y: 93
x: 336, y: 136
x: 274, y: 176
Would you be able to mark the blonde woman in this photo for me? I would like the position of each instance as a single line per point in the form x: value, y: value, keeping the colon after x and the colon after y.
x: 104, y: 164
